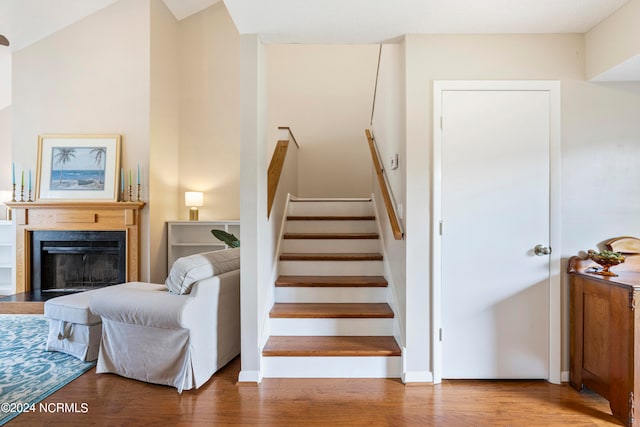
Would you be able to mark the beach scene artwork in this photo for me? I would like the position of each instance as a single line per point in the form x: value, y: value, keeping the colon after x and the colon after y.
x: 78, y: 168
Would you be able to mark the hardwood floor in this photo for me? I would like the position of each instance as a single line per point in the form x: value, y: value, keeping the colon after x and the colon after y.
x: 26, y: 302
x: 112, y: 400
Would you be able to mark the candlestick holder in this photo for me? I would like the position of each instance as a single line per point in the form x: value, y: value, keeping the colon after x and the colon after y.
x: 138, y: 192
x: 22, y: 193
x: 29, y: 199
x: 130, y: 194
x: 13, y: 193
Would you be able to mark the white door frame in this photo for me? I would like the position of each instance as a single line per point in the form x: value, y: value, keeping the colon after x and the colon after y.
x: 555, y: 335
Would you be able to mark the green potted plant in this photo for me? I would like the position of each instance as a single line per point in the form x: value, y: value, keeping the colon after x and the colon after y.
x: 227, y: 238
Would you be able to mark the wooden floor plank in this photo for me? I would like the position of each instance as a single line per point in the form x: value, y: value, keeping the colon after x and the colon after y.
x: 331, y: 281
x: 318, y: 346
x: 351, y: 256
x: 114, y: 400
x: 331, y: 310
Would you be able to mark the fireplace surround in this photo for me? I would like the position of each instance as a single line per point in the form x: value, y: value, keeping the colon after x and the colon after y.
x: 30, y: 217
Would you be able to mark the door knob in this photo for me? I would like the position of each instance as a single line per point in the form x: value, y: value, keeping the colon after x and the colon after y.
x: 542, y: 250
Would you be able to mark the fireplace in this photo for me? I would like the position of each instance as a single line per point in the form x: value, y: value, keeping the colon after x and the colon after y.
x: 94, y: 216
x: 72, y: 261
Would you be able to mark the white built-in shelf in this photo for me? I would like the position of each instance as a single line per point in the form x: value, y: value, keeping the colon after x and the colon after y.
x: 7, y: 258
x: 192, y: 237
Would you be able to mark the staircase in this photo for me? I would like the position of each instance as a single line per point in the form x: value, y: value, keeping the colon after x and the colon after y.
x: 331, y: 318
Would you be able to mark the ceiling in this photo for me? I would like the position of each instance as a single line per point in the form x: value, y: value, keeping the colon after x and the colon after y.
x: 374, y: 21
x: 334, y: 21
x: 24, y: 22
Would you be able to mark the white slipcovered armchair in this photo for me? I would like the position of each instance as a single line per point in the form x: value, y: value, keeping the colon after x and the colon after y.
x: 178, y: 334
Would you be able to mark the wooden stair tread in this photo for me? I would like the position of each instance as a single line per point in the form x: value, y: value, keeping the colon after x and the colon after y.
x: 331, y: 281
x: 331, y: 346
x: 331, y: 310
x: 330, y: 218
x: 351, y: 256
x: 354, y: 236
x: 329, y: 199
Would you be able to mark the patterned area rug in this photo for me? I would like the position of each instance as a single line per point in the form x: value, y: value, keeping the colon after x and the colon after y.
x: 29, y: 373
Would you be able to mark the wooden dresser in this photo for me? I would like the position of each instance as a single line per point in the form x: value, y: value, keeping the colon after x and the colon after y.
x: 605, y: 330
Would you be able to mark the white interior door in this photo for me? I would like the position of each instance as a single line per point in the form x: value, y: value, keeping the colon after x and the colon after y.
x: 495, y: 171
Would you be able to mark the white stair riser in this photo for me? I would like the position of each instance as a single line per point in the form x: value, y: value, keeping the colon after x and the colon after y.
x: 331, y: 227
x: 330, y: 327
x: 331, y: 268
x: 326, y: 294
x: 330, y: 245
x: 332, y: 367
x: 331, y: 208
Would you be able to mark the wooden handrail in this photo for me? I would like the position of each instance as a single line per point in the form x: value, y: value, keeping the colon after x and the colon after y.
x: 274, y: 172
x: 384, y: 189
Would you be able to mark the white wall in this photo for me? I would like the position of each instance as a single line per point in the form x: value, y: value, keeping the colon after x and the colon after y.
x: 389, y: 129
x: 162, y: 162
x: 5, y: 77
x: 389, y: 116
x: 209, y: 61
x: 89, y: 78
x: 325, y: 93
x: 5, y: 148
x: 254, y: 229
x: 600, y: 143
x: 170, y: 88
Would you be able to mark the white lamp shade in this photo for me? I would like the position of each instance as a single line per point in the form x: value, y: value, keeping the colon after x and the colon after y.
x: 5, y: 196
x: 193, y: 198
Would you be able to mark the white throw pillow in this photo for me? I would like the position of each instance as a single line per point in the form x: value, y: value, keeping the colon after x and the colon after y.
x: 186, y: 271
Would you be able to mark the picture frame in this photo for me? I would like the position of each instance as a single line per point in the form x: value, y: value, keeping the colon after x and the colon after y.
x: 78, y: 167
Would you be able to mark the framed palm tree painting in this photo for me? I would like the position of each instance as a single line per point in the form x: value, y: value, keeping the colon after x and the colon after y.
x: 78, y: 167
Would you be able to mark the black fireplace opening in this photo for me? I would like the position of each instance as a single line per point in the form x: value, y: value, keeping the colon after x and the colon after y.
x: 74, y: 261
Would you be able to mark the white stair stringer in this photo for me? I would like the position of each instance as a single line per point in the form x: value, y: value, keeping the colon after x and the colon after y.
x: 392, y: 299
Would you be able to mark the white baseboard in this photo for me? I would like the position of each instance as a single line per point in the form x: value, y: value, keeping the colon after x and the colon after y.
x: 417, y: 377
x: 7, y: 290
x: 250, y: 377
x: 564, y: 376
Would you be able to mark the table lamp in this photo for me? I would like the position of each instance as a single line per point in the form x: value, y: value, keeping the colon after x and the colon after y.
x: 193, y: 199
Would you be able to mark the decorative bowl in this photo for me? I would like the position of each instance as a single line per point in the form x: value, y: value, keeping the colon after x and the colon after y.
x: 606, y: 259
